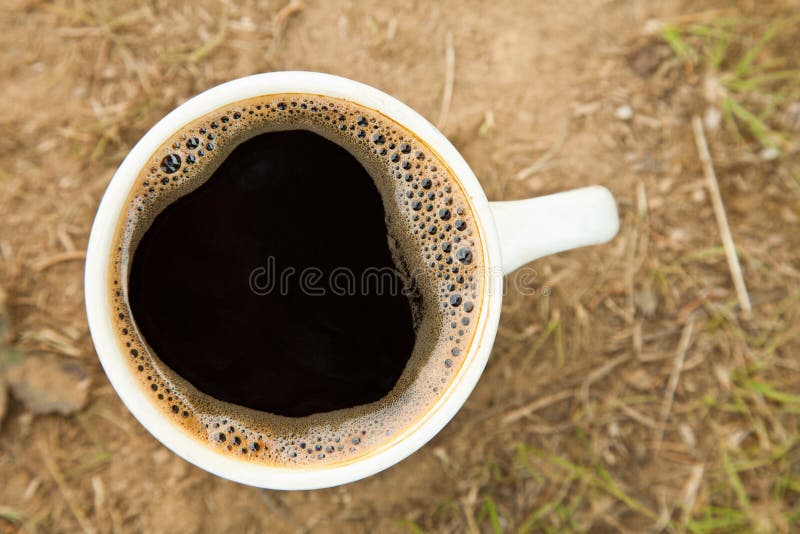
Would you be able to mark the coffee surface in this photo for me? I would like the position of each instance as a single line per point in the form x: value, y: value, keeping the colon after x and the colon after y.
x: 283, y: 183
x: 220, y: 282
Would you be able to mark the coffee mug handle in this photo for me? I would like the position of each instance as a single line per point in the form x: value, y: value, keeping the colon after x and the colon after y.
x: 533, y: 228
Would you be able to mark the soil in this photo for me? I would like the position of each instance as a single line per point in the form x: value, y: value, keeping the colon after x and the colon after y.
x: 546, y: 96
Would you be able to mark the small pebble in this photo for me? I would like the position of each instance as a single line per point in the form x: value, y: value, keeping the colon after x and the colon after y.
x: 624, y: 113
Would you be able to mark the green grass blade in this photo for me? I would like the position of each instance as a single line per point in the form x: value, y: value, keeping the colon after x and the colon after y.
x: 718, y: 520
x: 489, y: 510
x: 12, y: 515
x: 542, y: 339
x: 735, y: 481
x: 745, y: 64
x: 771, y: 393
x: 758, y: 128
x: 410, y: 526
x: 613, y: 488
x: 756, y: 82
x: 680, y: 47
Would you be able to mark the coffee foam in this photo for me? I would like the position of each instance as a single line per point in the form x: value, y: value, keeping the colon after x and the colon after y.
x: 436, y: 247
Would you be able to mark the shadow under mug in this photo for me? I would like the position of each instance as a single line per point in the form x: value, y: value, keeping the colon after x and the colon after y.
x: 512, y: 233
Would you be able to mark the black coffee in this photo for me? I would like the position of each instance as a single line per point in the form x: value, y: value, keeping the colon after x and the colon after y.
x: 297, y: 279
x: 290, y: 202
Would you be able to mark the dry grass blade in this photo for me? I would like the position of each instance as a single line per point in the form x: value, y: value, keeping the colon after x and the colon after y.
x: 538, y: 404
x: 542, y: 162
x: 637, y: 416
x: 722, y: 219
x: 672, y: 385
x: 599, y: 373
x: 468, y: 504
x: 64, y: 238
x: 214, y: 42
x: 690, y: 493
x: 5, y: 318
x: 66, y: 492
x: 279, y: 508
x: 279, y: 22
x: 49, y: 339
x: 46, y: 263
x: 449, y: 80
x: 287, y: 11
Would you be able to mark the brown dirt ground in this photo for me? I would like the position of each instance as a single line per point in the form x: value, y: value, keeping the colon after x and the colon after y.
x: 535, y: 83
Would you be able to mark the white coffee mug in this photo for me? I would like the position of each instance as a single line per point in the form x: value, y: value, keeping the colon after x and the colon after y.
x: 513, y: 233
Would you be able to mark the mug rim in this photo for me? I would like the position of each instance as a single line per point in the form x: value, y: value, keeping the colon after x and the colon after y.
x: 99, y: 313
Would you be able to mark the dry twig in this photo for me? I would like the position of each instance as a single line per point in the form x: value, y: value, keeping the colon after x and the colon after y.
x: 722, y: 219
